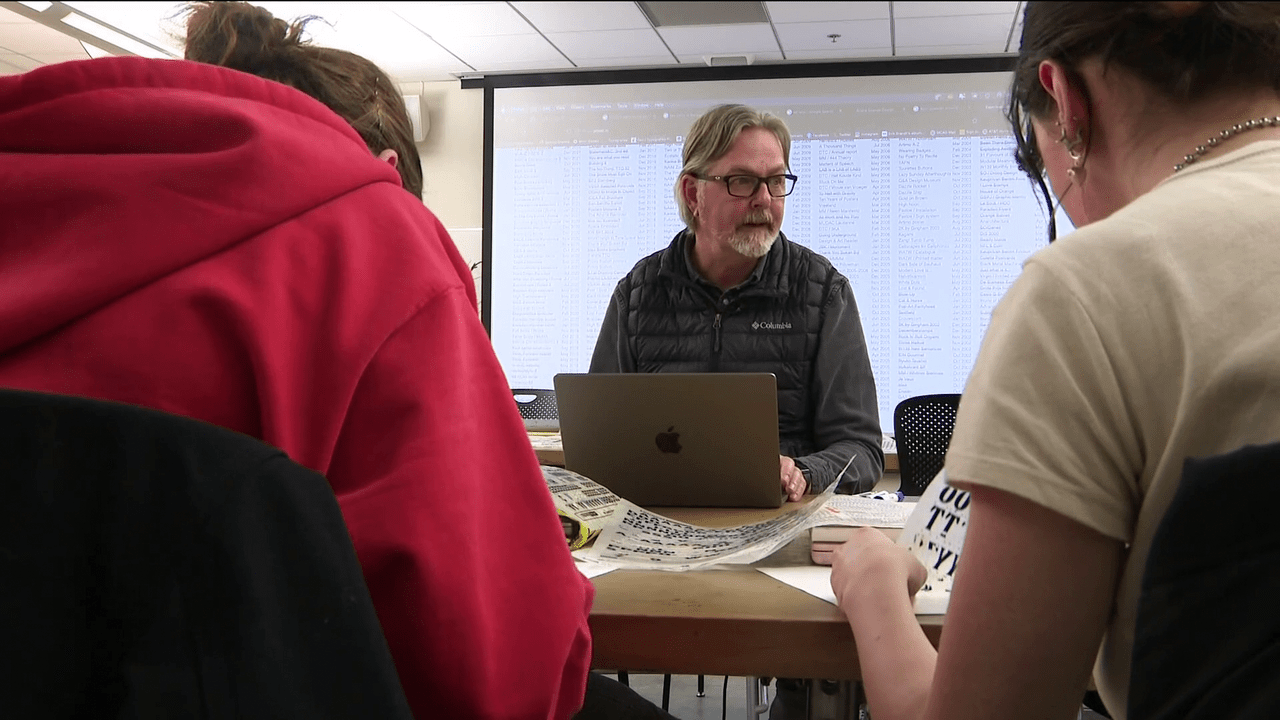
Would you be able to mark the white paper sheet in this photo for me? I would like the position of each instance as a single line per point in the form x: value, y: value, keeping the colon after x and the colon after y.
x: 594, y: 569
x: 816, y: 580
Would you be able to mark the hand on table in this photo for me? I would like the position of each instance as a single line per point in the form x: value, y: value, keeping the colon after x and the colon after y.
x: 794, y: 482
x: 870, y: 560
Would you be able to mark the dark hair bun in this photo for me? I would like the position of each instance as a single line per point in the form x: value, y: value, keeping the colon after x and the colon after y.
x: 239, y: 36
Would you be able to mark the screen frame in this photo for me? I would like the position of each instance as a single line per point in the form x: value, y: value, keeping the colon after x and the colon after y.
x: 490, y: 83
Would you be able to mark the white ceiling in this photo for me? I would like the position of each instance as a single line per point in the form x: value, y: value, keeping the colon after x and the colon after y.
x: 427, y: 41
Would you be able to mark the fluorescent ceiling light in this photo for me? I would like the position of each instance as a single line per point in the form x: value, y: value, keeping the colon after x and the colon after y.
x: 159, y: 24
x: 38, y: 6
x: 120, y: 40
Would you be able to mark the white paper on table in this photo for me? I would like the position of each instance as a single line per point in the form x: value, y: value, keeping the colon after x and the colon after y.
x: 594, y: 569
x: 816, y: 580
x: 813, y: 579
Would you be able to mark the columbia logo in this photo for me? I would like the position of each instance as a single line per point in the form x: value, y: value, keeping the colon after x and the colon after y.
x: 757, y: 325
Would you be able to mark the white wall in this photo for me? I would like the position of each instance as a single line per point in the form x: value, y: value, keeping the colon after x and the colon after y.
x: 453, y: 161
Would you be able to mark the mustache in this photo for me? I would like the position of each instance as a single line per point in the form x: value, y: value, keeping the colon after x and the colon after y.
x: 759, y: 217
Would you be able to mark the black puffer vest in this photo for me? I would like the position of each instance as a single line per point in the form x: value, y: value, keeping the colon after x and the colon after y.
x: 770, y: 323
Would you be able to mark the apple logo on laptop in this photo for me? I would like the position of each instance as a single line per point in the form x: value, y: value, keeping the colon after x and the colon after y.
x: 669, y: 441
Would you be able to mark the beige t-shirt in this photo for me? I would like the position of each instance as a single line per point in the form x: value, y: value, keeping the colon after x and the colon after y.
x: 1125, y: 348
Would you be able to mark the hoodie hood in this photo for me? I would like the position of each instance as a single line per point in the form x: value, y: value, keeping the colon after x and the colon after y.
x: 118, y: 171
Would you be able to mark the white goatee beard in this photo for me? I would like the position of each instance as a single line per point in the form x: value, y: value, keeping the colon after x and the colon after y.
x: 751, y: 243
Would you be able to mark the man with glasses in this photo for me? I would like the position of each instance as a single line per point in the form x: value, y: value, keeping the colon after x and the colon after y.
x: 732, y: 294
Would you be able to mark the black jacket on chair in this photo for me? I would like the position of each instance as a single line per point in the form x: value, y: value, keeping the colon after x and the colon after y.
x: 153, y: 566
x: 1207, y: 636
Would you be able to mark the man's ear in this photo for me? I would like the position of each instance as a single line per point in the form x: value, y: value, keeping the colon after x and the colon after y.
x: 389, y: 156
x: 689, y: 191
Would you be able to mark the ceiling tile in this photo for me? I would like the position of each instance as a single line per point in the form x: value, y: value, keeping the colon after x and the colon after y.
x: 558, y: 17
x: 845, y: 54
x: 52, y: 58
x: 720, y: 39
x: 32, y: 37
x: 814, y: 36
x: 789, y: 12
x: 759, y: 57
x: 388, y: 41
x: 462, y: 19
x: 609, y: 44
x: 700, y: 14
x: 958, y: 30
x: 626, y: 62
x: 21, y: 62
x: 486, y: 53
x: 526, y: 66
x: 947, y: 9
x: 9, y: 16
x: 950, y: 50
x: 439, y: 40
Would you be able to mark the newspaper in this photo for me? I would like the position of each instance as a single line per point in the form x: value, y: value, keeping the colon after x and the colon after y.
x: 637, y: 538
x: 586, y: 504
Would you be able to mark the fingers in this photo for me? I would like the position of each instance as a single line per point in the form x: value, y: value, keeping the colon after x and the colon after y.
x: 869, y: 556
x: 794, y: 484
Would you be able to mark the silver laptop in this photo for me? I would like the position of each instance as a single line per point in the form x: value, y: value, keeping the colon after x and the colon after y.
x: 674, y: 439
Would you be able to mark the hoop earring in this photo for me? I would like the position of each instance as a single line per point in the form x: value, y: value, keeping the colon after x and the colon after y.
x: 1077, y: 152
x: 1074, y: 144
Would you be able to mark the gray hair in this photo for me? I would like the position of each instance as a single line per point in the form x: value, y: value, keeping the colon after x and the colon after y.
x: 711, y: 137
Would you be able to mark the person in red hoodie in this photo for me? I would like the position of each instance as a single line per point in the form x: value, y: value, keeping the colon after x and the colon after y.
x: 198, y: 240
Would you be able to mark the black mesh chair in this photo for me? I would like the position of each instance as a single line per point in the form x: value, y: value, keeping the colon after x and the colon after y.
x: 922, y: 428
x: 538, y: 408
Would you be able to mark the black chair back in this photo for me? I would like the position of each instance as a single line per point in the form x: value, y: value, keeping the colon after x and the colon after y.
x: 154, y: 566
x: 538, y: 408
x: 1207, y: 634
x: 922, y: 428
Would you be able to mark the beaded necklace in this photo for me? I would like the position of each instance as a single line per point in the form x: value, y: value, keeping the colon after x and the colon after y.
x: 1232, y: 131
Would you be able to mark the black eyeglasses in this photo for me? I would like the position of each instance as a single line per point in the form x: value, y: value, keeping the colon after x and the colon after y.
x: 746, y: 185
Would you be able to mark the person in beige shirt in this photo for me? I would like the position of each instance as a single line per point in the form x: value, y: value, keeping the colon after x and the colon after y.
x: 1146, y: 337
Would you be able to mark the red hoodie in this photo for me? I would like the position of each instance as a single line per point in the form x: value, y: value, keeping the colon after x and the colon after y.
x: 205, y: 242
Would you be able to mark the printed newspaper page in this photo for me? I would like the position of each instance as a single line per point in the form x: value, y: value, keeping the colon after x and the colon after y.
x: 581, y: 500
x: 637, y: 538
x: 628, y: 536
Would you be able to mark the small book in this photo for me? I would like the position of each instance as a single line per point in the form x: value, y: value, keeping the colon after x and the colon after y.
x: 845, y: 513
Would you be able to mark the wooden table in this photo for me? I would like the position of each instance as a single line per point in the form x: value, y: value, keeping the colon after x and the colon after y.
x: 730, y: 621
